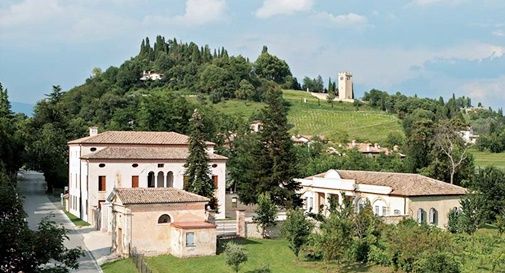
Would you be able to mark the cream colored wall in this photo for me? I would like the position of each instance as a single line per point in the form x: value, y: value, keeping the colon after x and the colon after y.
x: 152, y: 238
x: 205, y: 242
x: 118, y: 174
x: 392, y: 202
x: 443, y: 205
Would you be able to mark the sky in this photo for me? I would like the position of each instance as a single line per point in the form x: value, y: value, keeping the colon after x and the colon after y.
x: 430, y: 48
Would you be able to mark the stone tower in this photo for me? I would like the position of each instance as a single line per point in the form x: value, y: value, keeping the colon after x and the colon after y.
x: 345, y: 86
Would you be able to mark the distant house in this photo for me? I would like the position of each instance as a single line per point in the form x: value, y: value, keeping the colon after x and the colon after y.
x: 153, y: 76
x: 468, y: 136
x: 101, y: 162
x: 303, y: 139
x: 393, y: 196
x: 155, y: 221
x: 256, y: 126
x: 372, y: 149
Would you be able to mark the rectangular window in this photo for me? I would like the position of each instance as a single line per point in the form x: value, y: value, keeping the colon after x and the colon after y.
x: 185, y: 182
x: 376, y: 210
x: 383, y: 211
x: 161, y: 165
x: 215, y: 182
x: 135, y: 181
x: 102, y: 183
x: 190, y: 239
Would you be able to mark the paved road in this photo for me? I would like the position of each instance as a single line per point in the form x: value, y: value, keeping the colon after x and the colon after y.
x: 38, y: 206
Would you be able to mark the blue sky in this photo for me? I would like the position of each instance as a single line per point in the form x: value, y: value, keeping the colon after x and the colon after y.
x: 425, y: 47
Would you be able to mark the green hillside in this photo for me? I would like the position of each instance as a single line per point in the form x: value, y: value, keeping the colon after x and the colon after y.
x: 315, y: 117
x: 485, y: 159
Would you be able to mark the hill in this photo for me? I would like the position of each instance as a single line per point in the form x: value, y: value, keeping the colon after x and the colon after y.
x: 311, y: 116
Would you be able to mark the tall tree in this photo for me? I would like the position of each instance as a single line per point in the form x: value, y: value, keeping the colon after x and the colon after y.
x: 274, y: 169
x: 197, y: 164
x: 30, y: 251
x: 448, y: 140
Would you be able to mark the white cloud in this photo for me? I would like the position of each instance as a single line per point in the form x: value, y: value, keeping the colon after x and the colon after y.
x: 29, y: 11
x: 487, y: 91
x: 425, y: 3
x: 498, y: 33
x: 199, y: 12
x: 283, y: 7
x: 196, y: 12
x: 343, y: 20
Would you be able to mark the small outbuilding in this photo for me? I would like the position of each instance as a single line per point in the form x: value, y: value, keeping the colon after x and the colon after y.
x: 155, y: 221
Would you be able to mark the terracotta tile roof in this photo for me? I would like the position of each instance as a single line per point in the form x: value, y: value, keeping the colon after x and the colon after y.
x: 135, y: 137
x: 156, y: 196
x: 193, y: 225
x: 403, y: 184
x: 159, y: 153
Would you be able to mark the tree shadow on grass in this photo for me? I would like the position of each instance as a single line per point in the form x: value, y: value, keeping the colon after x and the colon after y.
x: 221, y: 244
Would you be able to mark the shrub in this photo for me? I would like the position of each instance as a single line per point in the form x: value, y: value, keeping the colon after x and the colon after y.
x: 235, y: 255
x: 500, y: 223
x: 262, y: 269
x: 296, y: 229
x: 437, y: 262
x: 265, y: 213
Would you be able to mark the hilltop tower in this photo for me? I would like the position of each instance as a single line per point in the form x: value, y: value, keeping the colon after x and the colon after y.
x: 345, y: 86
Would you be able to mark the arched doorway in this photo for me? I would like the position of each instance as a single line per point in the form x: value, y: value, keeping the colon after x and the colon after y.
x: 150, y: 180
x: 170, y: 179
x: 160, y: 181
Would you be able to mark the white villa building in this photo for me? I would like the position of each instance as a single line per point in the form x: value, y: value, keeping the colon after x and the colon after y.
x: 101, y: 162
x: 393, y: 196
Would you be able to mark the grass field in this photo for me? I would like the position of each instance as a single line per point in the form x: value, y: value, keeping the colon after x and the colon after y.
x: 484, y: 159
x: 475, y: 252
x: 121, y: 266
x: 311, y: 116
x: 273, y: 253
x: 76, y: 220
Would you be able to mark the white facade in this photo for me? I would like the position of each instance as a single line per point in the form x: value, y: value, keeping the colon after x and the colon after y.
x: 468, y: 136
x: 317, y: 191
x: 345, y: 86
x: 85, y: 174
x: 153, y: 76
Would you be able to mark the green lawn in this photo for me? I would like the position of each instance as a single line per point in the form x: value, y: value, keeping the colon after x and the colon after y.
x: 274, y: 253
x: 484, y: 159
x: 475, y: 252
x: 120, y: 266
x: 76, y: 220
x: 318, y: 117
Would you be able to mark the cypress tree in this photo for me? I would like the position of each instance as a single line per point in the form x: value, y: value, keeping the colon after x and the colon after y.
x: 197, y: 164
x: 275, y: 166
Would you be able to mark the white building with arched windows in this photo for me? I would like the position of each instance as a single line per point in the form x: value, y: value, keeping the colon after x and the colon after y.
x: 101, y: 162
x: 392, y: 196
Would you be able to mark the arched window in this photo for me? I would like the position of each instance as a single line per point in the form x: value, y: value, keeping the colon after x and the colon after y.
x: 380, y: 207
x: 160, y: 179
x: 421, y: 216
x: 164, y: 219
x: 150, y: 180
x: 360, y: 204
x: 433, y: 216
x: 170, y: 179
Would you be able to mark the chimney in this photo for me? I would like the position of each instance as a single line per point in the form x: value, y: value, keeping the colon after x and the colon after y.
x: 93, y: 131
x: 353, y: 143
